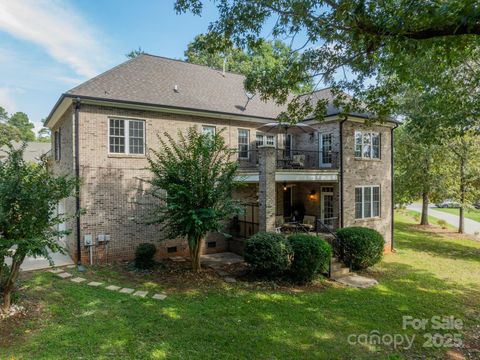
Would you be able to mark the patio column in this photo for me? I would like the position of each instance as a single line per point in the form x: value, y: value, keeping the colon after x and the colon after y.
x: 267, y: 188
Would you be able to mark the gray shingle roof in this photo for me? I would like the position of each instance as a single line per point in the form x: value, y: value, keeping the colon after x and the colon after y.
x: 152, y: 79
x: 33, y: 150
x: 159, y: 81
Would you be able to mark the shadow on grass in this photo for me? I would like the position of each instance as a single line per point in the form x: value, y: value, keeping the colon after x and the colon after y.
x: 236, y: 323
x: 436, y: 244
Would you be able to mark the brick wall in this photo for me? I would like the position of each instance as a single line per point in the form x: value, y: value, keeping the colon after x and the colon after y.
x: 358, y: 172
x: 114, y: 192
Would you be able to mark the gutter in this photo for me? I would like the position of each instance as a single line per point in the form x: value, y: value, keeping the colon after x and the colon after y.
x: 392, y: 184
x: 341, y: 172
x: 76, y: 103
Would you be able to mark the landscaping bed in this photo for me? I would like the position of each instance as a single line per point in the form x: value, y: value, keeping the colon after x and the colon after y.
x: 430, y: 274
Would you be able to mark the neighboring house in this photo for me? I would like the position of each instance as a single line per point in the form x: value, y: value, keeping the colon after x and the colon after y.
x: 103, y: 129
x: 33, y: 150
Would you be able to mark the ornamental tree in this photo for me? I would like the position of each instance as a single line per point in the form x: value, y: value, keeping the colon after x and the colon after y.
x: 29, y: 195
x: 193, y: 178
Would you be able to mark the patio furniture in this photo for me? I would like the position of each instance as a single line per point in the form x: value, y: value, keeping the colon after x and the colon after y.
x: 309, y: 222
x: 279, y: 222
x: 298, y: 161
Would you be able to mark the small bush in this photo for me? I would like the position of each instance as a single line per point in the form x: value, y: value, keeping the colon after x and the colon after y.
x: 442, y: 223
x: 268, y: 254
x: 311, y: 254
x: 144, y: 256
x: 359, y: 247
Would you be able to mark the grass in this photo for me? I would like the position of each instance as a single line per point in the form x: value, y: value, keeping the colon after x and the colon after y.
x: 472, y: 214
x: 430, y: 274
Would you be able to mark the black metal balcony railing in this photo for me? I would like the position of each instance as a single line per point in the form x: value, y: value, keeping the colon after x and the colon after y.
x: 291, y: 159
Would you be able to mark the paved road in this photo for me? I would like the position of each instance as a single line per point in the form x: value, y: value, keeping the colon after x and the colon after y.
x: 471, y: 226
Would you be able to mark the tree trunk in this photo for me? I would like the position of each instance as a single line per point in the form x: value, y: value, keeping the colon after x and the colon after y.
x: 195, y: 255
x: 17, y: 261
x: 425, y: 202
x: 461, y: 220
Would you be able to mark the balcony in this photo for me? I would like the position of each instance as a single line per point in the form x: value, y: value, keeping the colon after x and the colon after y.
x: 291, y: 159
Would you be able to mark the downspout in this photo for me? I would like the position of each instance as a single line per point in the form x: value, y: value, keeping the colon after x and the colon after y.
x: 341, y: 172
x: 76, y: 103
x: 392, y: 184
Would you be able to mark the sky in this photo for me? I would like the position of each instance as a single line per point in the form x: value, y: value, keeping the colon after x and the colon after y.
x: 49, y: 46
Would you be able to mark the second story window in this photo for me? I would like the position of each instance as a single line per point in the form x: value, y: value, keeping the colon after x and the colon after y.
x: 243, y: 143
x: 262, y: 139
x: 367, y: 145
x: 57, y: 138
x: 126, y: 136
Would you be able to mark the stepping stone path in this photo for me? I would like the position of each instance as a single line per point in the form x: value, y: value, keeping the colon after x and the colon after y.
x: 55, y: 271
x: 127, y: 291
x: 64, y: 275
x: 139, y: 293
x: 113, y: 287
x: 229, y: 279
x: 71, y: 266
x: 159, y: 296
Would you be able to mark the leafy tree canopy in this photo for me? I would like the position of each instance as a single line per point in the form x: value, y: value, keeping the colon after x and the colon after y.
x: 29, y: 195
x: 193, y: 177
x: 377, y: 43
x: 134, y: 53
x: 265, y: 57
x: 20, y: 121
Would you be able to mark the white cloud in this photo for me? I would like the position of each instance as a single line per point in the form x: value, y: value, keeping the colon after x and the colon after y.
x: 6, y: 100
x: 58, y: 29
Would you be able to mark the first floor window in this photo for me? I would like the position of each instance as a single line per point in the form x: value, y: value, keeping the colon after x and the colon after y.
x: 208, y: 130
x: 243, y: 143
x: 367, y: 202
x: 126, y: 136
x: 367, y: 145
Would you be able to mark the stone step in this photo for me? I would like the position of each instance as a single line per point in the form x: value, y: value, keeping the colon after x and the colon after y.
x: 335, y: 274
x: 337, y: 265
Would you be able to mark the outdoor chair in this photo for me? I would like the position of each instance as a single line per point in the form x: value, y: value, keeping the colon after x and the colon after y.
x: 298, y: 161
x: 279, y: 221
x: 309, y: 222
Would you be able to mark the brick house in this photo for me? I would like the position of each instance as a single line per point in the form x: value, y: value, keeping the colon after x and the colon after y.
x: 340, y: 175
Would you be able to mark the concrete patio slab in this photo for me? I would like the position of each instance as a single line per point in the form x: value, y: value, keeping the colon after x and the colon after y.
x: 94, y: 283
x: 221, y: 259
x: 78, y: 280
x: 357, y: 281
x: 30, y: 263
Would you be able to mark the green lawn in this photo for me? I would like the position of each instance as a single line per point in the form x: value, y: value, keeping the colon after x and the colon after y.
x: 472, y: 214
x: 429, y: 275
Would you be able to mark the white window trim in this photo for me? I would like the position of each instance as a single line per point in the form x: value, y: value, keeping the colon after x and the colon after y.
x: 264, y: 138
x: 127, y: 136
x: 371, y: 202
x: 362, y: 133
x: 321, y: 134
x: 248, y: 143
x: 209, y: 127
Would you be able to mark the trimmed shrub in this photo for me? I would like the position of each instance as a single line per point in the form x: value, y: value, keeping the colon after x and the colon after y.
x: 311, y: 254
x: 442, y: 223
x: 359, y: 247
x: 267, y: 253
x: 144, y: 254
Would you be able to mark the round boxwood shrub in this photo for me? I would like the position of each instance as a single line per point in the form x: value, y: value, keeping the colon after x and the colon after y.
x: 311, y: 254
x: 267, y: 253
x: 359, y: 247
x: 144, y: 254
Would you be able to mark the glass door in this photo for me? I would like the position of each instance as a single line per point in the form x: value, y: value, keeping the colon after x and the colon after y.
x: 326, y: 150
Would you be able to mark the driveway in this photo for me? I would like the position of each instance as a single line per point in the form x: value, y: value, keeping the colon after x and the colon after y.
x: 471, y: 226
x: 30, y: 263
